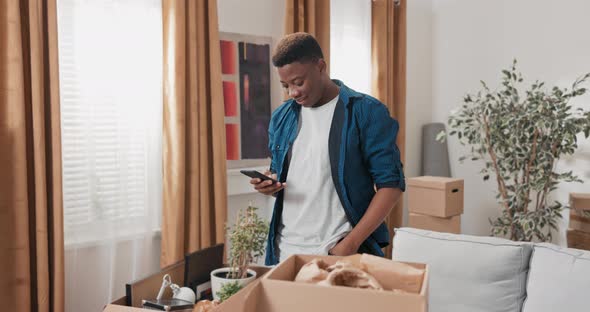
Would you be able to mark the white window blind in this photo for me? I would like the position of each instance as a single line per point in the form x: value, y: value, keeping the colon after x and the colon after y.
x: 110, y: 68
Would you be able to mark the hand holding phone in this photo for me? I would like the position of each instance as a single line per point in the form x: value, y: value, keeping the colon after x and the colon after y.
x: 264, y: 183
x: 258, y: 175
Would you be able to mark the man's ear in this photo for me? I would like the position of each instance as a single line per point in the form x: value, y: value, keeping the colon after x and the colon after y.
x: 322, y: 66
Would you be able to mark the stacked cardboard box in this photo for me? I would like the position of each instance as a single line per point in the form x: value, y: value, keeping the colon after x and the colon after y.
x: 435, y: 203
x: 578, y: 234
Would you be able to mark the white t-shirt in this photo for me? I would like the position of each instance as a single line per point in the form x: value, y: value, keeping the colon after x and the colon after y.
x: 313, y: 218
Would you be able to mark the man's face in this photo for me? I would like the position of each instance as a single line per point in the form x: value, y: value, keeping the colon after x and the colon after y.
x: 303, y: 82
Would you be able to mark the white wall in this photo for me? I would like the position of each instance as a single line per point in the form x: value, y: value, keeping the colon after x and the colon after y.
x: 419, y: 82
x: 262, y: 18
x: 473, y: 41
x: 255, y: 17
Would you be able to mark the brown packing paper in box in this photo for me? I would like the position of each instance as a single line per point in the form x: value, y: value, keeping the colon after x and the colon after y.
x: 277, y: 292
x: 394, y: 275
x: 580, y: 201
x: 437, y: 224
x: 435, y: 196
x: 390, y: 274
x: 578, y: 239
x: 578, y: 221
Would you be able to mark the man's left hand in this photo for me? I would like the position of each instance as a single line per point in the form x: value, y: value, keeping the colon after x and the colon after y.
x: 344, y: 248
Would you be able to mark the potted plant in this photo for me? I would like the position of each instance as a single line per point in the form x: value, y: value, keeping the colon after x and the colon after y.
x: 228, y: 290
x: 247, y: 238
x: 520, y: 138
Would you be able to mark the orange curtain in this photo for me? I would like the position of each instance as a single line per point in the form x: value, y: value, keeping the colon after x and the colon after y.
x: 31, y: 211
x: 388, y: 54
x: 195, y: 188
x: 313, y: 17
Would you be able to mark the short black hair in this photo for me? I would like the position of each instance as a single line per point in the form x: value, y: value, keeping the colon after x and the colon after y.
x: 296, y: 47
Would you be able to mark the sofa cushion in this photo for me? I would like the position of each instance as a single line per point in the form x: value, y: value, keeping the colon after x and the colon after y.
x: 467, y: 273
x: 559, y: 280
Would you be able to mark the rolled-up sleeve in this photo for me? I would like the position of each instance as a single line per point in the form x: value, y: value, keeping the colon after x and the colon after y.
x: 378, y: 140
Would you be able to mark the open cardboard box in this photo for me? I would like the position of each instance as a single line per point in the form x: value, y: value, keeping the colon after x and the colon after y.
x: 276, y: 291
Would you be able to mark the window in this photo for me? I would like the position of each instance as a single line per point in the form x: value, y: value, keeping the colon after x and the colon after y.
x: 110, y: 56
x: 350, y: 43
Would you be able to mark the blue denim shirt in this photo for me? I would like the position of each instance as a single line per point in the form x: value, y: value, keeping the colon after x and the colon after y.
x: 363, y: 154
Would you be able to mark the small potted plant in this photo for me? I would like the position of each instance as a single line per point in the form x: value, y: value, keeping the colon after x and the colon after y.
x: 247, y: 238
x: 228, y: 290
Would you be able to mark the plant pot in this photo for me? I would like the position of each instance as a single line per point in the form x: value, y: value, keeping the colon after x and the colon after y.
x: 217, y: 282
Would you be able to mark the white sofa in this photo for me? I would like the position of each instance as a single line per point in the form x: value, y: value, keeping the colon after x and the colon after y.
x: 487, y: 274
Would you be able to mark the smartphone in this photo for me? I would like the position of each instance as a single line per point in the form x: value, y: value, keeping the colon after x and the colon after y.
x: 258, y: 175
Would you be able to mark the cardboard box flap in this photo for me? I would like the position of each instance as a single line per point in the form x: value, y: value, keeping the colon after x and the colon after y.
x: 580, y: 201
x: 120, y: 308
x: 438, y: 183
x: 286, y: 296
x: 245, y: 300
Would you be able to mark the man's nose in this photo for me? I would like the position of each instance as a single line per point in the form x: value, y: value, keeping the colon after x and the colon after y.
x: 293, y: 93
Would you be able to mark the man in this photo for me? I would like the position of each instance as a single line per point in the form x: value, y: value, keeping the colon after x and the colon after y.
x: 331, y: 148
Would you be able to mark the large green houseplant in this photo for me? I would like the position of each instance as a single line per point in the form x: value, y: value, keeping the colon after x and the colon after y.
x: 520, y: 137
